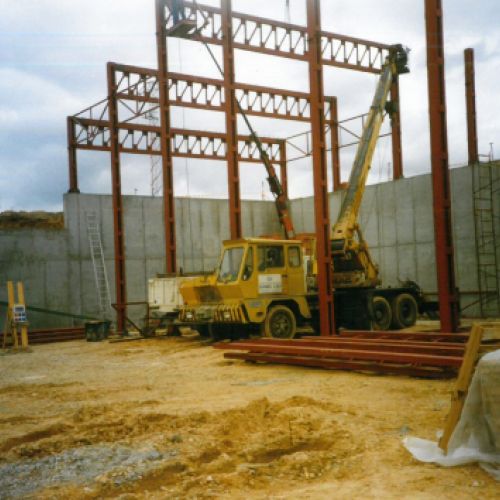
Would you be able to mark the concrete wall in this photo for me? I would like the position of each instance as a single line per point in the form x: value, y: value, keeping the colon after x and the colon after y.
x: 56, y: 266
x: 396, y: 218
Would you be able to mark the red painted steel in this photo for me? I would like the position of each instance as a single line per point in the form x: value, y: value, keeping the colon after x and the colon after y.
x: 230, y: 107
x: 72, y: 165
x: 335, y: 142
x: 423, y: 336
x: 447, y: 291
x: 267, y: 36
x: 320, y: 176
x: 166, y: 143
x: 351, y: 345
x: 351, y: 365
x: 470, y: 100
x: 137, y: 138
x: 118, y: 225
x: 397, y: 151
x: 369, y: 354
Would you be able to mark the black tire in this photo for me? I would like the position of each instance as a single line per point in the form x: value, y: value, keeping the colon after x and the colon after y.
x: 404, y: 311
x: 280, y: 323
x: 380, y: 312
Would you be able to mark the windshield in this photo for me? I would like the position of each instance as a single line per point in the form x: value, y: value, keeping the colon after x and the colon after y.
x: 230, y: 264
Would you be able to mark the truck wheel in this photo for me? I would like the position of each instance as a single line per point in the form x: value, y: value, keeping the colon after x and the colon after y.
x: 280, y: 323
x: 404, y: 311
x: 380, y: 313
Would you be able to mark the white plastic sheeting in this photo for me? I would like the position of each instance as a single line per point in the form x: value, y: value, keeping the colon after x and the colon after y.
x: 476, y: 437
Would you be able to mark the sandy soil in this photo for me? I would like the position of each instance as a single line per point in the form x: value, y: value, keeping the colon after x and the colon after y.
x: 170, y: 418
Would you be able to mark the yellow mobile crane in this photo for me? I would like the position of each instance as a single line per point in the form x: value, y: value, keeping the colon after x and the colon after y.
x: 269, y: 285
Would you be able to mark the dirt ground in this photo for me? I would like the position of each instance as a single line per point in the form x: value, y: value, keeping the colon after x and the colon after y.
x: 170, y: 418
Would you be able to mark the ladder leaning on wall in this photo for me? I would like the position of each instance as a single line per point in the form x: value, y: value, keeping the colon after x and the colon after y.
x: 97, y: 255
x: 485, y: 190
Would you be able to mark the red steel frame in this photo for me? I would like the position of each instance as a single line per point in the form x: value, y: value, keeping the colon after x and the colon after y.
x: 447, y: 291
x: 470, y: 100
x: 320, y: 177
x: 232, y: 30
x: 165, y: 140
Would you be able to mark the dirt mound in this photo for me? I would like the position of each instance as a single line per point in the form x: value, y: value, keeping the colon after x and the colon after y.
x: 39, y: 220
x: 252, y: 446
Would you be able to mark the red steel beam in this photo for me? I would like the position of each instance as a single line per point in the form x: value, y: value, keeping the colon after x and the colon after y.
x: 354, y: 365
x: 230, y: 108
x: 335, y: 143
x: 349, y: 344
x: 357, y: 354
x: 424, y: 336
x: 470, y: 100
x: 139, y: 138
x: 165, y: 140
x: 118, y: 225
x: 397, y: 152
x: 447, y: 291
x: 72, y: 161
x: 320, y: 176
x: 271, y: 37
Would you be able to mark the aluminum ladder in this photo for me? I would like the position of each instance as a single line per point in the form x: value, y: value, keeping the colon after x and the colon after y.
x: 486, y: 253
x: 97, y: 255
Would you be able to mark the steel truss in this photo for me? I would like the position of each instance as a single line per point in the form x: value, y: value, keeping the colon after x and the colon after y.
x: 119, y: 124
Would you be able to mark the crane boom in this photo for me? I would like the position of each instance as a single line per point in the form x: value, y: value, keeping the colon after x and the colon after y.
x: 352, y: 262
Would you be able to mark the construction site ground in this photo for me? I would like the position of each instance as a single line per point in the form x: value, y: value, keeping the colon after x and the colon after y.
x: 171, y: 418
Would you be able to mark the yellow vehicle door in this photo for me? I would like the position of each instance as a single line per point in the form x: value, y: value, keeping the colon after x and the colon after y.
x: 272, y: 271
x: 295, y: 271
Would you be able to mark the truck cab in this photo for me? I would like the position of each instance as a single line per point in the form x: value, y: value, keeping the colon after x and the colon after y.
x: 259, y: 285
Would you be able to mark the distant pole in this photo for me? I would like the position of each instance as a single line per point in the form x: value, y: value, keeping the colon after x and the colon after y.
x: 470, y: 100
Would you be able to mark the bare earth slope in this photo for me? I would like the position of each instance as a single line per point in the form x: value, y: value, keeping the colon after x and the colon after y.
x: 172, y: 418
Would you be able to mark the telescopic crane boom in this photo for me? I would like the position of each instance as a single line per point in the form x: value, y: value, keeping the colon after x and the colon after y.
x: 352, y: 263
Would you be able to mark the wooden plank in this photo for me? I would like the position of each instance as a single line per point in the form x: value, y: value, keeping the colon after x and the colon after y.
x: 462, y: 385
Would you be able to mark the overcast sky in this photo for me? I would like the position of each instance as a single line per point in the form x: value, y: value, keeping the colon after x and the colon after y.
x: 52, y: 64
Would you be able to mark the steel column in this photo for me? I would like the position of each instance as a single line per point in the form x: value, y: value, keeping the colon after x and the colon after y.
x: 448, y: 296
x: 283, y: 168
x: 118, y: 226
x: 166, y: 143
x: 320, y: 177
x: 397, y: 153
x: 335, y: 143
x: 72, y: 162
x: 233, y: 175
x: 470, y: 100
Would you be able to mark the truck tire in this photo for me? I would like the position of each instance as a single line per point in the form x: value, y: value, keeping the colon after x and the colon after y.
x: 380, y: 312
x: 404, y: 311
x: 280, y: 323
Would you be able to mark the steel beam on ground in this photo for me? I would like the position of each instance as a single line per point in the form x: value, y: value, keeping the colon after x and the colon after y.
x: 397, y: 152
x: 470, y: 100
x: 165, y: 140
x: 230, y: 108
x: 320, y: 176
x: 118, y: 225
x: 271, y: 37
x: 447, y: 291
